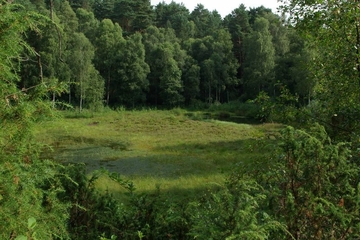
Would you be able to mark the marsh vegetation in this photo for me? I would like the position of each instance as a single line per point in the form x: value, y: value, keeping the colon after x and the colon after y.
x: 165, y: 148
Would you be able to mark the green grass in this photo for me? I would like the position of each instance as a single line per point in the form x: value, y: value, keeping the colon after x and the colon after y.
x: 169, y: 149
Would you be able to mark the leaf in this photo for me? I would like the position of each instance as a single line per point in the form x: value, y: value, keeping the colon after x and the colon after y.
x: 31, y: 223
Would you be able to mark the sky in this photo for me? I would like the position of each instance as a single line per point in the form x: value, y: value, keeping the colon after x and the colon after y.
x: 224, y: 7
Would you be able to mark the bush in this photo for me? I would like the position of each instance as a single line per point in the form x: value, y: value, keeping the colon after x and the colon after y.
x: 232, y: 213
x: 92, y: 213
x: 313, y: 186
x: 197, y: 105
x: 28, y: 190
x: 248, y: 110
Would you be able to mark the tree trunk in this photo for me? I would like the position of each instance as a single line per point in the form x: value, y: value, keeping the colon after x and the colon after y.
x: 108, y: 89
x: 53, y: 100
x: 69, y: 91
x: 81, y: 96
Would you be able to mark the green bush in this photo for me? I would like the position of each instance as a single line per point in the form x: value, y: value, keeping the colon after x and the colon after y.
x: 197, y: 105
x: 232, y: 213
x: 313, y: 186
x: 248, y: 109
x: 29, y: 190
x: 92, y: 214
x: 266, y: 107
x: 29, y: 205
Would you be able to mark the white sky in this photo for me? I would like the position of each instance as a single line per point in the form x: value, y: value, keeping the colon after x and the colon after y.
x: 224, y: 7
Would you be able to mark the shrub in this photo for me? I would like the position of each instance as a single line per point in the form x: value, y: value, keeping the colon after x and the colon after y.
x: 313, y: 186
x: 232, y: 213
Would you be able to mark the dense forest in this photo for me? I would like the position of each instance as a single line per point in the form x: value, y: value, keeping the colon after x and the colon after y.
x: 129, y: 53
x: 301, y: 69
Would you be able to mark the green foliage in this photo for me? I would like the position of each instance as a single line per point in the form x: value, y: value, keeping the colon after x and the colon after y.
x: 208, y: 55
x: 87, y: 23
x: 266, y: 106
x: 108, y: 41
x: 133, y: 15
x: 312, y: 186
x: 82, y: 68
x: 91, y: 213
x: 176, y: 16
x: 217, y: 64
x: 293, y: 69
x: 67, y: 17
x: 333, y: 36
x: 191, y: 80
x: 260, y: 62
x: 28, y: 186
x: 170, y: 81
x: 95, y: 214
x: 307, y: 189
x: 165, y: 69
x: 206, y: 22
x: 282, y: 109
x: 239, y: 27
x: 132, y: 70
x: 232, y: 213
x: 29, y: 190
x: 31, y: 230
x: 156, y: 213
x: 94, y: 91
x: 14, y: 21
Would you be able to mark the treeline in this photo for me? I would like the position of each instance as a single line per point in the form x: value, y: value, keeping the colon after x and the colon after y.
x: 129, y: 53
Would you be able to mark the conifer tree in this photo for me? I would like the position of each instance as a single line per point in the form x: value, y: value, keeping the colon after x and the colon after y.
x: 29, y: 206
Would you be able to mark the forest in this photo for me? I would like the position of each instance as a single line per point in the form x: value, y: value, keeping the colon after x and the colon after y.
x: 116, y: 72
x: 132, y: 54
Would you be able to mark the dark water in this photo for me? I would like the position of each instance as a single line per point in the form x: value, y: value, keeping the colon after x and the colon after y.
x: 97, y: 157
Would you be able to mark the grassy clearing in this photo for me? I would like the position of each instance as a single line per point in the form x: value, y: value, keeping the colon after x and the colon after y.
x: 169, y: 149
